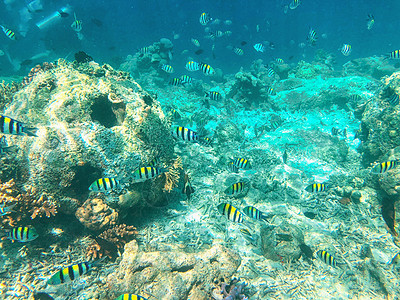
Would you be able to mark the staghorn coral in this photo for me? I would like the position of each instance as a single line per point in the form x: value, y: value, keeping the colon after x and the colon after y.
x: 95, y: 214
x: 173, y: 175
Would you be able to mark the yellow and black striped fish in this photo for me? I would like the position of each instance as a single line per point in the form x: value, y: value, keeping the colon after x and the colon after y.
x: 155, y: 161
x: 192, y: 66
x: 214, y: 95
x: 167, y: 68
x: 184, y: 133
x: 207, y: 69
x: 235, y: 189
x: 394, y: 54
x: 384, y: 167
x: 316, y: 187
x: 104, y: 184
x: 204, y: 18
x: 205, y: 141
x: 9, y: 33
x: 242, y: 163
x: 232, y: 167
x: 254, y: 213
x: 22, y: 234
x: 327, y: 258
x: 145, y: 173
x: 130, y: 297
x: 176, y: 81
x: 11, y: 126
x: 232, y: 213
x: 69, y: 273
x: 238, y: 51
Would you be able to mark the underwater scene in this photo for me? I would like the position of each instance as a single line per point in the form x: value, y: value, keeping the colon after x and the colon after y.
x: 199, y: 150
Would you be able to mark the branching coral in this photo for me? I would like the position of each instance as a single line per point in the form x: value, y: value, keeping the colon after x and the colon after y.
x: 173, y: 175
x: 35, y: 71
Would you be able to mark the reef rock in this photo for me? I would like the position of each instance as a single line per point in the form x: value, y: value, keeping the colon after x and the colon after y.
x: 95, y: 214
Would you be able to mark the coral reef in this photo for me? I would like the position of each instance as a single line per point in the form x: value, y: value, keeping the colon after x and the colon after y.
x: 96, y: 215
x: 7, y: 90
x: 232, y: 291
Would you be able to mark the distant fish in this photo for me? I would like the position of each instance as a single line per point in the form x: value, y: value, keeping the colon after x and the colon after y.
x: 336, y: 131
x: 316, y: 188
x: 238, y: 51
x: 175, y: 114
x: 242, y: 163
x: 270, y: 71
x: 346, y: 49
x: 232, y: 213
x: 306, y: 251
x: 384, y: 167
x: 77, y: 24
x: 144, y: 50
x: 205, y: 18
x: 105, y: 184
x: 22, y: 234
x: 11, y: 126
x: 312, y: 37
x: 394, y: 99
x: 96, y: 22
x: 294, y: 4
x: 279, y: 60
x: 198, y: 52
x: 144, y: 173
x: 188, y: 190
x: 186, y: 79
x: 156, y: 161
x: 130, y: 297
x: 207, y: 69
x: 69, y: 273
x: 184, y: 133
x: 235, y: 189
x: 243, y: 43
x: 195, y: 42
x: 254, y: 213
x: 228, y: 33
x: 271, y: 91
x: 228, y: 22
x: 167, y: 68
x: 395, y: 260
x: 6, y: 209
x: 213, y: 95
x: 176, y: 82
x: 9, y: 149
x: 205, y: 141
x: 232, y: 167
x: 259, y: 47
x: 247, y: 235
x: 358, y: 134
x: 42, y: 296
x: 26, y: 62
x: 285, y: 157
x: 9, y: 33
x: 394, y: 54
x: 192, y: 66
x: 370, y: 21
x: 327, y: 258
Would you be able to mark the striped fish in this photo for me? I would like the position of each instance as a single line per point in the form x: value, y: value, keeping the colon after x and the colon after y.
x: 228, y: 33
x: 195, y: 42
x: 327, y: 258
x: 271, y: 91
x: 184, y: 133
x: 316, y: 188
x: 69, y: 273
x: 241, y: 163
x: 77, y: 24
x: 214, y: 95
x: 384, y: 167
x: 294, y: 4
x: 192, y: 66
x: 394, y: 54
x: 230, y: 212
x: 394, y: 99
x: 22, y: 234
x: 130, y: 297
x: 176, y: 82
x: 259, y: 47
x: 144, y: 50
x: 11, y: 126
x: 104, y: 184
x: 155, y: 161
x: 204, y: 18
x: 186, y: 79
x: 205, y: 141
x: 167, y: 68
x: 247, y: 235
x: 9, y: 33
x: 270, y: 71
x: 207, y: 69
x: 235, y: 189
x: 279, y: 60
x: 232, y: 167
x: 238, y: 51
x: 312, y: 37
x: 145, y: 173
x: 346, y: 49
x: 254, y: 213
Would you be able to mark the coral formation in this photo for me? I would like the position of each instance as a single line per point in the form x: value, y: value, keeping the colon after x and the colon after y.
x: 96, y: 215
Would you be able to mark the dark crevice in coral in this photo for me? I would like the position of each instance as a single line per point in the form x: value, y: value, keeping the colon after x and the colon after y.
x: 183, y: 269
x: 103, y: 112
x: 213, y: 260
x: 141, y: 268
x: 84, y: 176
x: 148, y: 100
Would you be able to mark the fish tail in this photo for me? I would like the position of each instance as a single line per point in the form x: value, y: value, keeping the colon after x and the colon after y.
x: 30, y: 131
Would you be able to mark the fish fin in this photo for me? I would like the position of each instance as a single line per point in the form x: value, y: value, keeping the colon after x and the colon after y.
x: 30, y: 131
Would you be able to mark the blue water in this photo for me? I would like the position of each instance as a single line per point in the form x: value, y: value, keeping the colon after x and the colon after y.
x: 128, y: 25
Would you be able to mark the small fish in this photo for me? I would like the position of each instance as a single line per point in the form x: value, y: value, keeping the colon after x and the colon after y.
x: 355, y: 98
x: 384, y: 166
x: 228, y: 33
x: 394, y: 54
x: 76, y: 25
x: 358, y: 134
x: 186, y: 79
x: 11, y: 126
x: 394, y: 99
x: 207, y: 69
x: 232, y: 167
x: 312, y: 37
x: 198, y: 52
x: 242, y: 163
x: 192, y: 66
x: 346, y: 49
x: 257, y: 28
x: 213, y: 95
x: 306, y: 250
x: 270, y: 71
x: 271, y: 91
x: 184, y: 133
x: 9, y: 33
x: 56, y: 231
x: 144, y: 173
x: 247, y: 235
x: 130, y: 297
x: 188, y: 190
x: 232, y: 213
x: 205, y: 18
x: 22, y: 234
x: 167, y: 68
x: 4, y: 150
x: 175, y: 114
x: 176, y: 82
x: 144, y: 50
x: 336, y: 131
x: 396, y: 259
x: 195, y: 42
x: 243, y: 43
x: 327, y: 258
x: 228, y: 22
x: 259, y: 47
x: 238, y: 51
x: 294, y: 4
x: 206, y: 141
x: 69, y: 273
x: 156, y: 161
x: 104, y: 184
x: 316, y: 188
x: 254, y: 213
x: 235, y: 189
x: 285, y: 157
x: 42, y: 296
x: 370, y: 21
x: 279, y: 60
x: 6, y: 209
